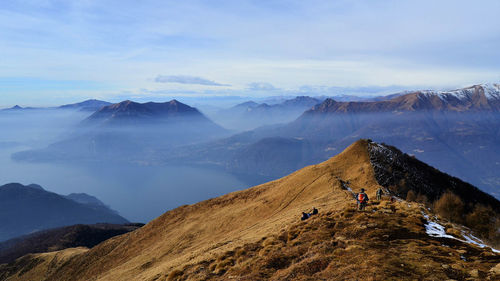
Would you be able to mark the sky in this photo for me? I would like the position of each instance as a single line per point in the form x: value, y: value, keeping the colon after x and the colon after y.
x: 56, y: 51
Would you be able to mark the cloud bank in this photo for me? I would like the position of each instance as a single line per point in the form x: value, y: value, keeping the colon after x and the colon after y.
x: 261, y: 86
x: 185, y: 79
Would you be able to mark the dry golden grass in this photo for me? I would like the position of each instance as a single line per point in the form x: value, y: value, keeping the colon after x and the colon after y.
x: 366, y: 246
x: 256, y: 234
x: 35, y: 267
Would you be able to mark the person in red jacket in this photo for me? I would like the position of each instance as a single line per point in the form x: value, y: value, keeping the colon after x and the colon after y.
x: 362, y: 199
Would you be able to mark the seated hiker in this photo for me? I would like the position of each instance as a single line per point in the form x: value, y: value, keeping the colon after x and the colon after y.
x: 362, y: 199
x: 379, y: 193
x: 305, y: 216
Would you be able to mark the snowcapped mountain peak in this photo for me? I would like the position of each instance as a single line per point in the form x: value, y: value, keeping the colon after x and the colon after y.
x: 491, y: 91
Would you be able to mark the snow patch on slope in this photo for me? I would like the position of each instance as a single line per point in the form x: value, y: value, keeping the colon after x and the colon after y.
x: 434, y: 229
x: 469, y: 238
x: 492, y: 91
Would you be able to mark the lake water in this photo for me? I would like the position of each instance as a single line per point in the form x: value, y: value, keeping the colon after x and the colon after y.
x: 139, y: 193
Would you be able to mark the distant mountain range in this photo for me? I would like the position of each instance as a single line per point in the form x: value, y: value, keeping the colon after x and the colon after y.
x: 27, y: 209
x: 476, y: 98
x: 457, y: 131
x: 250, y: 115
x: 88, y: 105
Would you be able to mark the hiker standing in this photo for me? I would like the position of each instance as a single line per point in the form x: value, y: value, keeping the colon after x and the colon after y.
x: 379, y: 194
x: 362, y: 199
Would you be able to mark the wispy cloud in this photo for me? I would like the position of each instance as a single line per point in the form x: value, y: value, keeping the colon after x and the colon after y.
x: 185, y: 79
x: 261, y: 86
x: 287, y: 43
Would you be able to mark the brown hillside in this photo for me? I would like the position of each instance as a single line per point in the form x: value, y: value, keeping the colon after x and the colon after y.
x: 250, y: 235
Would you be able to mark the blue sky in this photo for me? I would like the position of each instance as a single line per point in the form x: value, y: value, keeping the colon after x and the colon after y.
x: 53, y: 52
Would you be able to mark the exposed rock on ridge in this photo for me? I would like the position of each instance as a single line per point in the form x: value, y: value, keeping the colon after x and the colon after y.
x: 399, y: 172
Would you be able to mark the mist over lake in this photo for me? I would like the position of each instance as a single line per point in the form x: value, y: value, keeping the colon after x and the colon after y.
x: 139, y: 193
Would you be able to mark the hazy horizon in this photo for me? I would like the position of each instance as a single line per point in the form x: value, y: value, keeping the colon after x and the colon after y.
x: 225, y: 101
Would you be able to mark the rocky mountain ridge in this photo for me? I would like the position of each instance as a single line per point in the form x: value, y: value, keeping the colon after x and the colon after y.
x: 483, y: 97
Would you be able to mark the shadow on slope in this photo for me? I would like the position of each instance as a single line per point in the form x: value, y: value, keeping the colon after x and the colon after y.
x: 80, y: 235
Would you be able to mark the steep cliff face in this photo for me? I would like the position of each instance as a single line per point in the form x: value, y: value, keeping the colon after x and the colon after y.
x: 257, y: 234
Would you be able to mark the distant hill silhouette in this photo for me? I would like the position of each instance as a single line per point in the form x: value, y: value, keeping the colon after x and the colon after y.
x: 131, y: 132
x: 257, y: 233
x: 80, y: 235
x: 88, y: 105
x: 26, y: 209
x: 151, y: 111
x: 84, y: 198
x: 17, y: 108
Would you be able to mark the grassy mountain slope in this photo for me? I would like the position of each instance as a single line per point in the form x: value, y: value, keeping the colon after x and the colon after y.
x: 256, y: 234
